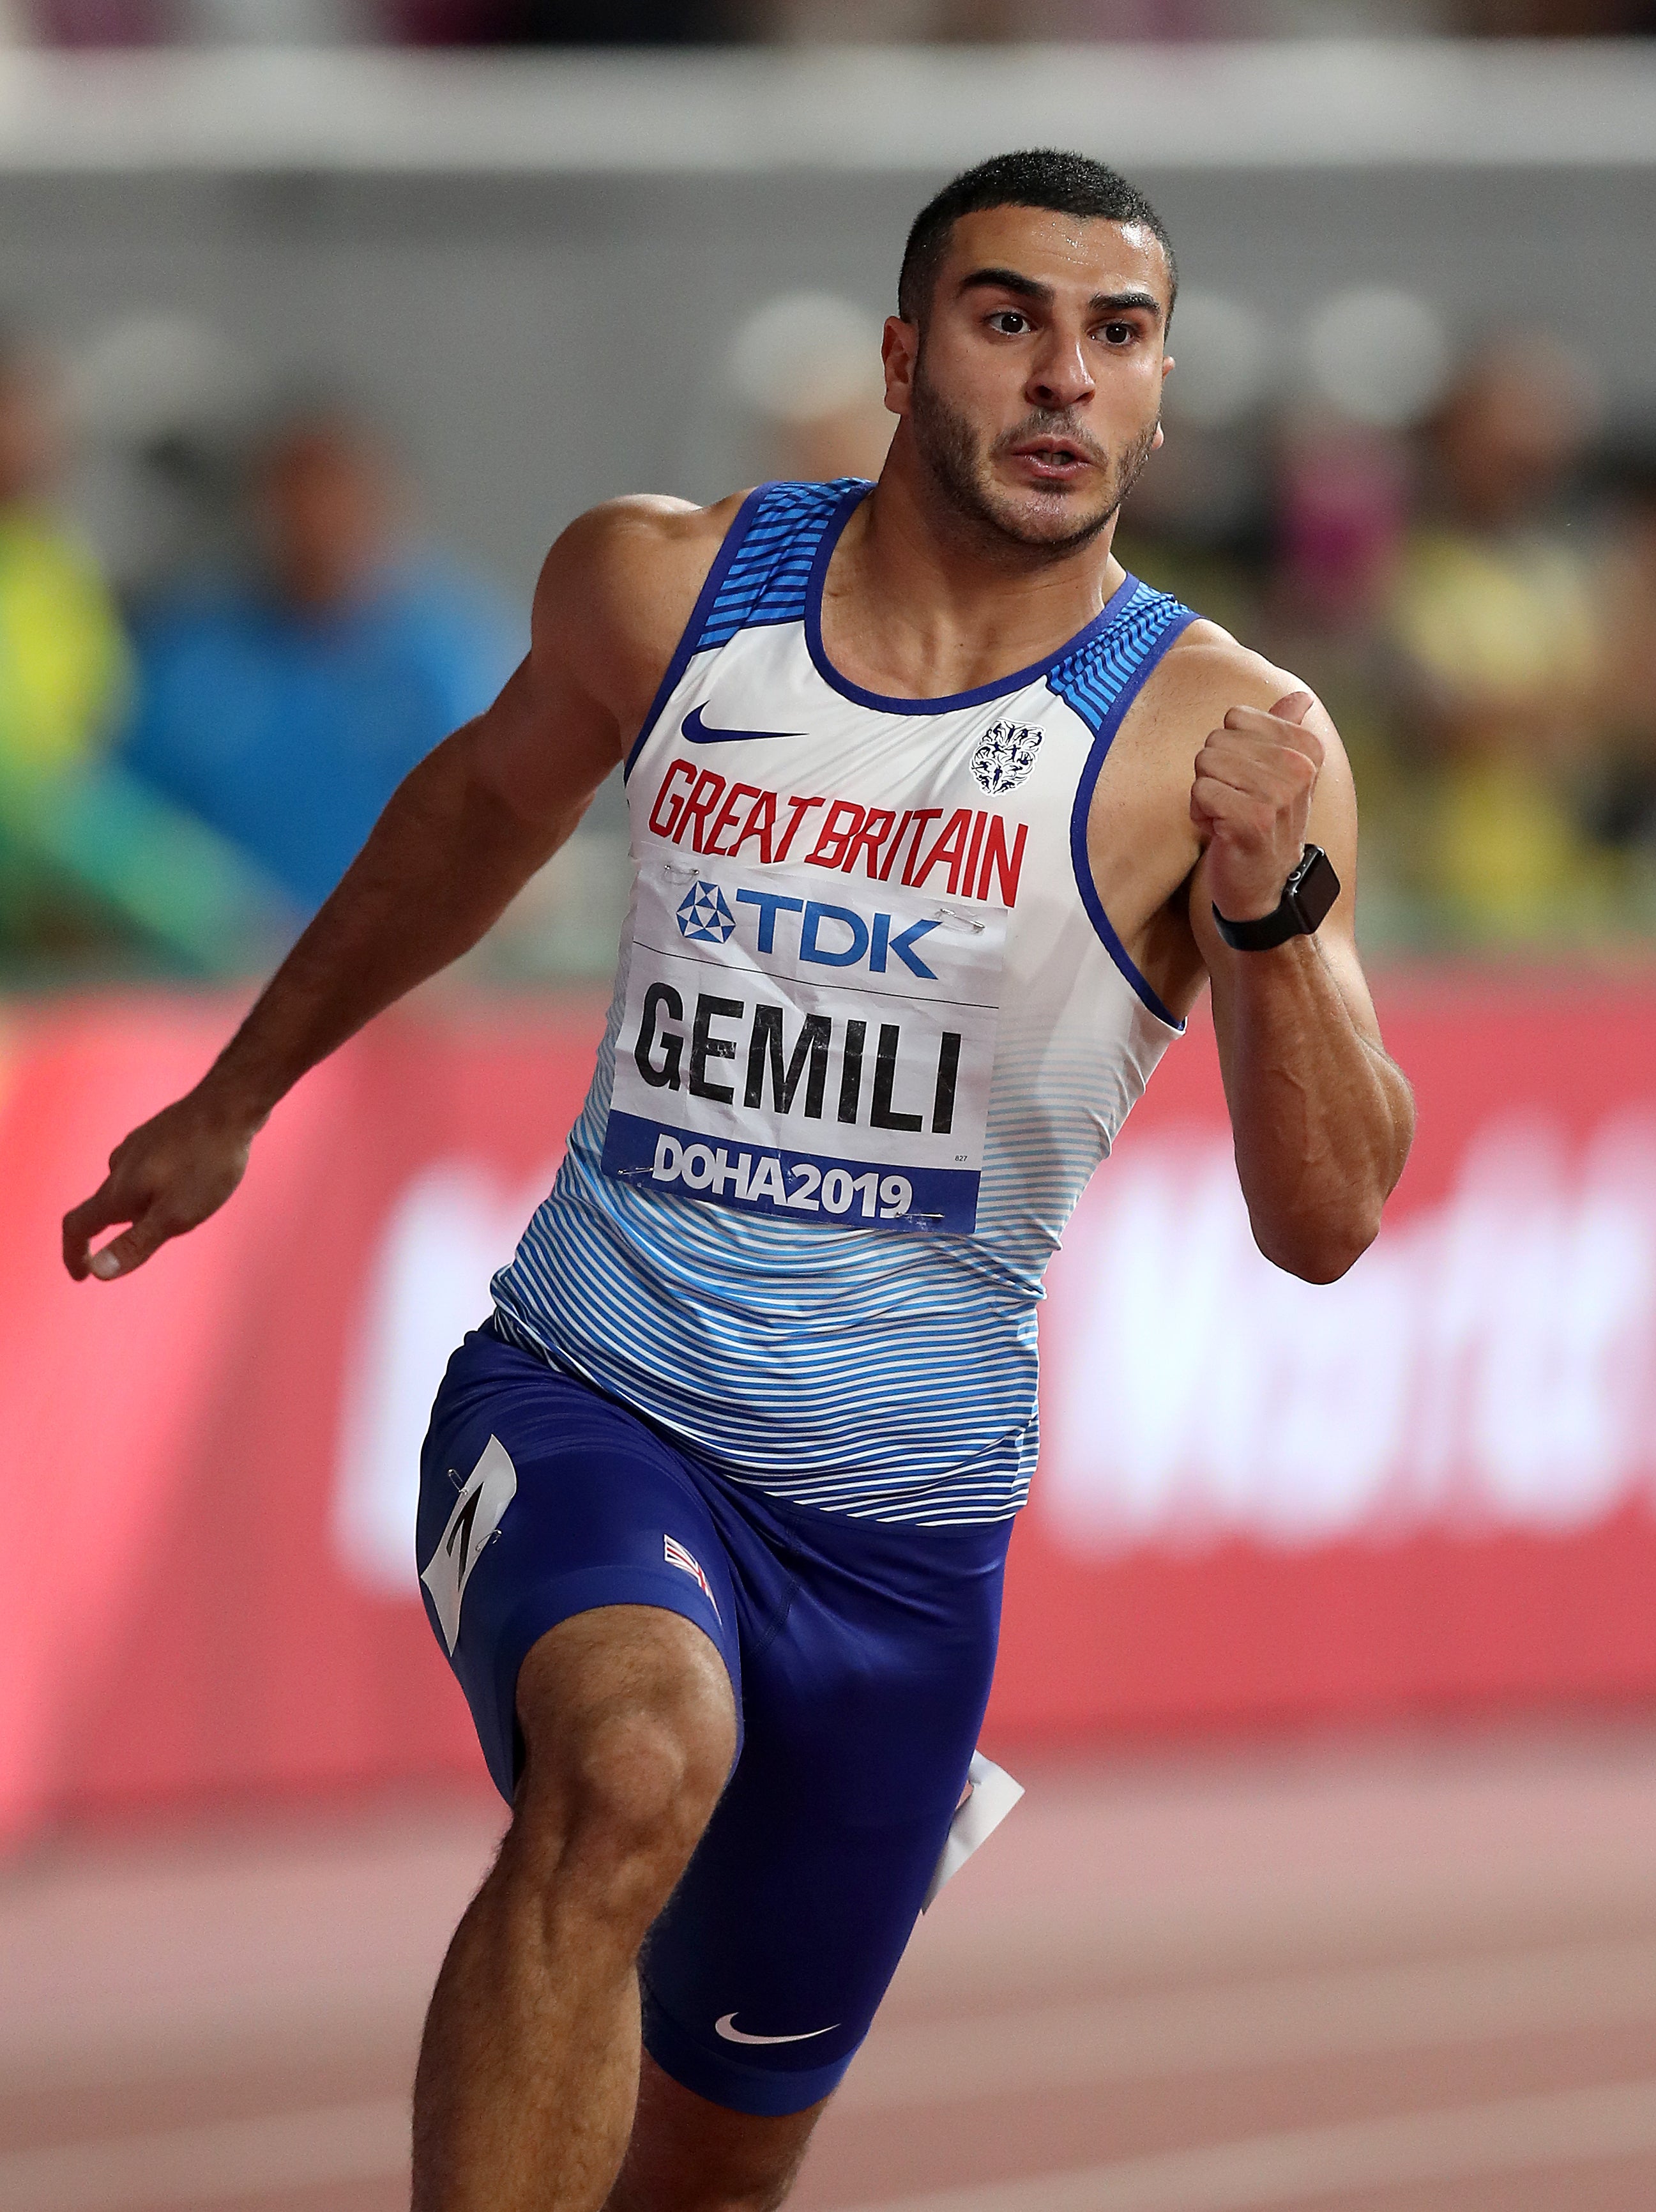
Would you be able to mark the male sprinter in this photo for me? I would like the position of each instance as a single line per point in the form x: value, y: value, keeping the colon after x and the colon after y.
x: 715, y: 1506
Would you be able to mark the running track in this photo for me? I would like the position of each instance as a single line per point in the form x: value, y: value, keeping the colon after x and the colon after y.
x: 1408, y: 1975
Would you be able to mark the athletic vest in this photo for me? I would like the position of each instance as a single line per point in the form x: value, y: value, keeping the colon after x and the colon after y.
x: 871, y: 1033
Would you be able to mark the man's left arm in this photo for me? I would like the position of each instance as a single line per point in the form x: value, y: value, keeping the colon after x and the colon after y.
x: 1322, y: 1118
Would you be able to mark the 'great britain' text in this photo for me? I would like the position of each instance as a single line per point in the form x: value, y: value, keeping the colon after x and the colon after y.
x: 696, y: 805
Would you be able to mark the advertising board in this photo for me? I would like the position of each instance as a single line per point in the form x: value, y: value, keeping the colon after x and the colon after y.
x: 1427, y: 1487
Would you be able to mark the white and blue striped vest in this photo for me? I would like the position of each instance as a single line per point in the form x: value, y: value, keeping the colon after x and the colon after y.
x: 872, y: 1031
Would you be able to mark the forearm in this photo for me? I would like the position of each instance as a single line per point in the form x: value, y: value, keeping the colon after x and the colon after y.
x: 442, y: 862
x: 1322, y: 1118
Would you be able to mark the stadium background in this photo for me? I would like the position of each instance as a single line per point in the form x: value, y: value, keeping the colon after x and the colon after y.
x: 1331, y: 1647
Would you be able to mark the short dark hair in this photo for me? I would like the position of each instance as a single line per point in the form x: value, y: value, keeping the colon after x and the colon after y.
x: 1068, y: 184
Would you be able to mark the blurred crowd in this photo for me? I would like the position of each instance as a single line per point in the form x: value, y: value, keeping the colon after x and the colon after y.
x: 1453, y: 545
x: 1463, y: 565
x: 681, y: 23
x: 198, y: 731
x: 188, y: 763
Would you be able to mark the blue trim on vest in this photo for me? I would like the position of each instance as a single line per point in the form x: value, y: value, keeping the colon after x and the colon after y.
x: 767, y: 582
x: 741, y: 522
x: 1002, y: 687
x: 1099, y: 683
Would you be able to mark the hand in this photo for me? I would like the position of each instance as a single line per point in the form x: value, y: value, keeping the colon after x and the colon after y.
x: 167, y: 1177
x: 1252, y: 801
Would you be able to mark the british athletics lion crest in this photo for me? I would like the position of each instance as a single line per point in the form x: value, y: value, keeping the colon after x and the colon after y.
x: 1003, y: 756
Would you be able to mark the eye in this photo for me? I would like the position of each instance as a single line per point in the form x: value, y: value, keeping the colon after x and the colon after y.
x: 1010, y: 322
x: 1119, y: 334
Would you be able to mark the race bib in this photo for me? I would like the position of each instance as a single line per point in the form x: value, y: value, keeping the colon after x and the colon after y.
x: 820, y: 1058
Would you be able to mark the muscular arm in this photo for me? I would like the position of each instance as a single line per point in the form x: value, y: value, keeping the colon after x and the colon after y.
x: 460, y: 836
x: 1322, y: 1118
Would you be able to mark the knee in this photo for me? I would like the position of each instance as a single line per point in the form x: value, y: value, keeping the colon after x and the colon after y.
x: 623, y: 1776
x: 642, y: 1781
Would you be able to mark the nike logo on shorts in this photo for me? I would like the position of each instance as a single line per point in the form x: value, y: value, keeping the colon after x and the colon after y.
x: 733, y: 2034
x: 698, y: 734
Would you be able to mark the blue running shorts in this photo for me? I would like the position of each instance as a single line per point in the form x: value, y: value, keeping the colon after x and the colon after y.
x: 860, y: 1657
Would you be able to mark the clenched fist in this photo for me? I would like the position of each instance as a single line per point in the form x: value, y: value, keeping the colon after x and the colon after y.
x: 1251, y: 800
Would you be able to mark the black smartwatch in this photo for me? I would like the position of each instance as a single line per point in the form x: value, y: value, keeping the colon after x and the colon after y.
x: 1306, y: 897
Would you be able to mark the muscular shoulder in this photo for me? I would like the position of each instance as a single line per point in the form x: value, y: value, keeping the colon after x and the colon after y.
x: 1142, y: 838
x: 1206, y: 671
x: 1146, y: 786
x: 617, y: 589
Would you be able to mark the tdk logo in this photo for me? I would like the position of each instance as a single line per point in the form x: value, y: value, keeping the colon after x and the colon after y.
x: 703, y: 916
x: 828, y: 936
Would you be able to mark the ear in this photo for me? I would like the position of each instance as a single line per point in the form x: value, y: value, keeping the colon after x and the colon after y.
x: 1159, y: 439
x: 900, y: 348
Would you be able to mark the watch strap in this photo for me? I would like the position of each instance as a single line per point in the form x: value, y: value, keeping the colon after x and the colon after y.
x: 1309, y: 892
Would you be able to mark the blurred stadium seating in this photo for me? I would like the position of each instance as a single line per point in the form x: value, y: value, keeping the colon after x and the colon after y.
x: 1402, y: 306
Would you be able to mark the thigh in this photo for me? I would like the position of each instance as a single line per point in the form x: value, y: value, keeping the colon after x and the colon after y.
x: 541, y: 1499
x: 861, y: 1715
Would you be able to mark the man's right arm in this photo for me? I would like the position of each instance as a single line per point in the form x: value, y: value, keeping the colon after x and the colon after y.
x: 460, y: 838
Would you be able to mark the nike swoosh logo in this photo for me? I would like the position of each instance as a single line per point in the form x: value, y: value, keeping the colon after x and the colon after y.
x: 698, y: 734
x: 732, y: 2033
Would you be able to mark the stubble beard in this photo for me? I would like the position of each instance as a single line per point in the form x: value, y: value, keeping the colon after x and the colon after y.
x: 958, y: 462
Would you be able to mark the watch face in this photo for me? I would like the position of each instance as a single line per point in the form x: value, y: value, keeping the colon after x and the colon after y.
x: 1314, y: 887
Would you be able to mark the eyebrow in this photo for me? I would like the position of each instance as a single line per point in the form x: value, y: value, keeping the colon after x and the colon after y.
x: 1030, y: 287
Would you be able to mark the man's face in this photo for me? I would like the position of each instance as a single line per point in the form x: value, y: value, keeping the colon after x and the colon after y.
x: 325, y: 508
x: 1033, y: 393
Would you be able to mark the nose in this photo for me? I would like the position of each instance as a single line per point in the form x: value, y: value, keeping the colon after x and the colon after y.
x: 1059, y: 376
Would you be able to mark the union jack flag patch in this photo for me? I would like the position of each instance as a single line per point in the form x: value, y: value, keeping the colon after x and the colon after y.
x: 676, y: 1556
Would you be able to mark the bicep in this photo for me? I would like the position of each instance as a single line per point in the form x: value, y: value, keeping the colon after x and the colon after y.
x: 613, y: 597
x: 612, y: 601
x: 554, y: 731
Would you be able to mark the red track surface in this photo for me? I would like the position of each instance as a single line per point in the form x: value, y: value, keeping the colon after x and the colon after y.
x: 1411, y: 1977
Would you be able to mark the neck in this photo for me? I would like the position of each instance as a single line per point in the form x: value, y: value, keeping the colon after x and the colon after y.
x: 921, y: 601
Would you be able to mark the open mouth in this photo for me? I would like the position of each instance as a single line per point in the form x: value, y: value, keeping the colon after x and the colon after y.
x: 1051, y: 460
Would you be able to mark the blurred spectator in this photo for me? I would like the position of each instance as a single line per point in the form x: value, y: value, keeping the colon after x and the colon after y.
x: 1416, y: 542
x: 1195, y: 524
x: 163, y: 402
x: 1624, y: 815
x: 1341, y: 506
x: 283, y: 710
x: 1341, y: 499
x: 1498, y: 618
x: 94, y: 868
x: 91, y: 866
x: 806, y: 366
x: 61, y: 650
x: 63, y: 656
